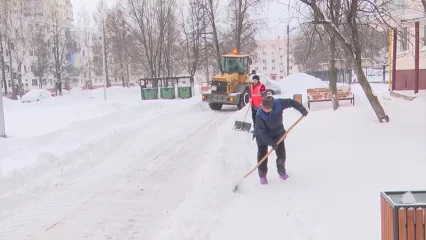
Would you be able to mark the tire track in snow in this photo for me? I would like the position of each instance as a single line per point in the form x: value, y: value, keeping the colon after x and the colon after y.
x: 39, y: 216
x: 42, y: 174
x: 142, y: 211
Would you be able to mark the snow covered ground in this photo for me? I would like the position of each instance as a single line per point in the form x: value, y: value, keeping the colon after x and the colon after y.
x: 77, y: 167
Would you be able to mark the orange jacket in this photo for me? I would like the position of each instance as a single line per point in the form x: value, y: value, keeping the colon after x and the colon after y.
x: 256, y: 94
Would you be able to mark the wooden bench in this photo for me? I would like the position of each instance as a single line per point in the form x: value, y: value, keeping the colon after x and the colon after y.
x: 324, y: 94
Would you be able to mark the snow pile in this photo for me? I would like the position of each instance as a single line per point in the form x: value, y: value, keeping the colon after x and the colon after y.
x: 408, y: 198
x: 36, y: 95
x: 56, y: 123
x: 297, y: 83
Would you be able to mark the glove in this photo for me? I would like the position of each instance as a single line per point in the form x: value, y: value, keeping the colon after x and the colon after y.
x: 305, y: 113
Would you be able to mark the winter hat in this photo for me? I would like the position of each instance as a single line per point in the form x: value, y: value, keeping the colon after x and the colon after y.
x: 268, y: 102
x: 256, y: 77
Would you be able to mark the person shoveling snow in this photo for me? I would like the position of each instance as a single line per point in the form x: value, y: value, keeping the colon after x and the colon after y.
x: 269, y: 129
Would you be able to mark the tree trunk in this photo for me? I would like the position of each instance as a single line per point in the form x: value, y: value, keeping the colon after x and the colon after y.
x: 14, y: 96
x: 19, y: 79
x: 215, y: 36
x: 332, y: 72
x: 3, y: 70
x: 39, y: 70
x: 106, y: 56
x: 374, y: 101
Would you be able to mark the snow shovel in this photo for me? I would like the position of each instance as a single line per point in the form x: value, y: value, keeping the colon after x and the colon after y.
x: 243, y: 125
x: 270, y: 151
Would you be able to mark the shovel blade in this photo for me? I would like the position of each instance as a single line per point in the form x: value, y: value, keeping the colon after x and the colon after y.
x: 242, y: 126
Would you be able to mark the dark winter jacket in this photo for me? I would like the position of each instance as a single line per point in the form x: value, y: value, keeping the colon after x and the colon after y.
x: 269, y: 127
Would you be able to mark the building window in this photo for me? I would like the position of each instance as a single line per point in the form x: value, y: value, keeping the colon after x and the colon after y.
x: 403, y: 40
x: 264, y: 53
x: 273, y: 60
x: 256, y: 68
x: 34, y: 82
x: 273, y: 68
x: 424, y: 35
x: 264, y: 68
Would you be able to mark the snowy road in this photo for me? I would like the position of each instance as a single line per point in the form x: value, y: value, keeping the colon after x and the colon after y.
x: 121, y: 186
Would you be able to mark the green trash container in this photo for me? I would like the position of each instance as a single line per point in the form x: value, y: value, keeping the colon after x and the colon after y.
x: 184, y: 92
x: 149, y: 93
x: 167, y: 92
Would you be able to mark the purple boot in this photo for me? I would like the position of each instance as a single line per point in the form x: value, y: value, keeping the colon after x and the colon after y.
x: 263, y: 180
x: 284, y: 176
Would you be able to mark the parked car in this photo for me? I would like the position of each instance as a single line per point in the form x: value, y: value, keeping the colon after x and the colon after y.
x: 271, y: 85
x: 36, y: 95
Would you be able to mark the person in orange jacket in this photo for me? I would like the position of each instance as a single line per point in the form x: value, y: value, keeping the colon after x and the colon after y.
x: 257, y: 92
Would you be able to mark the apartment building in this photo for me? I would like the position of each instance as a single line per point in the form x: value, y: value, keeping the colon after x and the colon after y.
x: 270, y: 58
x: 404, y: 78
x: 35, y: 20
x: 44, y: 10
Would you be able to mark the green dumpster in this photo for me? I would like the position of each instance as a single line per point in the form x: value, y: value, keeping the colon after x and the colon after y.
x: 149, y: 93
x: 167, y: 92
x: 184, y: 92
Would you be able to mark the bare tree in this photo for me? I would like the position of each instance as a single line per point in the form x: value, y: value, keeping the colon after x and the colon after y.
x: 148, y: 24
x: 6, y: 29
x: 310, y: 48
x: 115, y: 26
x: 99, y: 17
x: 19, y: 41
x: 3, y: 39
x: 333, y: 9
x: 211, y: 8
x: 43, y: 61
x: 354, y: 14
x: 244, y: 24
x: 61, y: 45
x: 85, y: 24
x: 192, y: 27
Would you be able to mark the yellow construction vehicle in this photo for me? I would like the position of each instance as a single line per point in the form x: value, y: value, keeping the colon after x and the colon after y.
x: 231, y: 86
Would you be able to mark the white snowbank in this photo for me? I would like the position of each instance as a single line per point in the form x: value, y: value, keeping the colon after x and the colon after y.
x: 36, y: 95
x: 83, y: 113
x: 297, y: 83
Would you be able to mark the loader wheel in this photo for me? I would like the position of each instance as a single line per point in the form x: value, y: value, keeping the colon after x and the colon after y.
x: 270, y: 91
x: 244, y: 99
x: 215, y: 106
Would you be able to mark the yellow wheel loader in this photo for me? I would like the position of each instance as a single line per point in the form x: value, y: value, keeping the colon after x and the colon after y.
x: 231, y: 86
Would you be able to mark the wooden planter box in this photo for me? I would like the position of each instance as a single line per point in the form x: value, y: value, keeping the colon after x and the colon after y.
x: 403, y: 221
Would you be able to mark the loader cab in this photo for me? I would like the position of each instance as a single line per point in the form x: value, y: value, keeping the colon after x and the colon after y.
x: 236, y: 63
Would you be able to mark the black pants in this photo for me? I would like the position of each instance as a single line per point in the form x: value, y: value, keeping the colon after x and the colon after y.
x: 253, y: 116
x: 262, y: 150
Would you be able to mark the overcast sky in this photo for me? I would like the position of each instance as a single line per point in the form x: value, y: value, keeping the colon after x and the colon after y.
x: 275, y: 14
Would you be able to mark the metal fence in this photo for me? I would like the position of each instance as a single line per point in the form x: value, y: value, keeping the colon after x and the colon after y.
x: 374, y: 74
